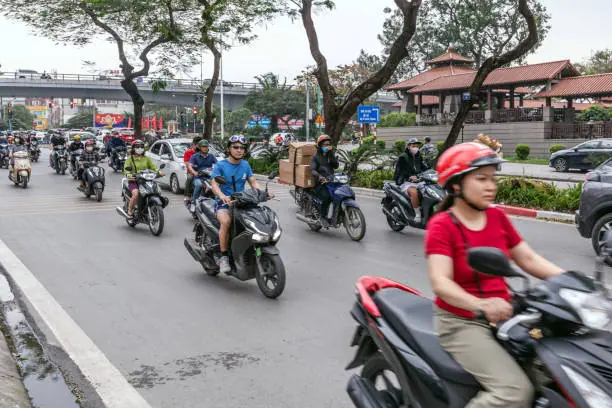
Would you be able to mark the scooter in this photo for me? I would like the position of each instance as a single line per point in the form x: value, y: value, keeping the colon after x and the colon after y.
x: 94, y: 181
x: 4, y: 153
x: 61, y: 159
x: 397, y: 206
x: 118, y: 158
x: 34, y: 150
x: 254, y: 233
x: 557, y: 335
x: 74, y: 162
x: 21, y: 170
x: 344, y: 209
x: 206, y: 191
x: 150, y: 206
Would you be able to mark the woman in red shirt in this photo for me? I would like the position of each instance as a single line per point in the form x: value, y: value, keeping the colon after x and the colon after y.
x: 466, y: 219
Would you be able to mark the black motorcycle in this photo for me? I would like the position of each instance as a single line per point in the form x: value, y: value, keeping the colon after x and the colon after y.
x: 94, y: 181
x: 34, y: 150
x: 4, y: 155
x: 254, y: 234
x: 558, y: 335
x: 397, y: 206
x: 206, y: 191
x: 150, y: 206
x: 118, y: 158
x: 60, y: 159
x: 74, y: 162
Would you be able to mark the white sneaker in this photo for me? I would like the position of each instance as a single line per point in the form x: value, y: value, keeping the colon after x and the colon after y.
x: 417, y: 215
x: 224, y: 265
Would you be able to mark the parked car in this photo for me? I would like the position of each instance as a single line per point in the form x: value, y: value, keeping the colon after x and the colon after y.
x: 594, y: 216
x: 171, y: 152
x: 585, y: 156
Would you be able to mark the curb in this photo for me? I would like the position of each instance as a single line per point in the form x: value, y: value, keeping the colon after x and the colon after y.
x: 545, y: 178
x: 508, y: 209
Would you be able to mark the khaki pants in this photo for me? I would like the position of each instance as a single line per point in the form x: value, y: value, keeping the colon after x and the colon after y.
x: 472, y: 345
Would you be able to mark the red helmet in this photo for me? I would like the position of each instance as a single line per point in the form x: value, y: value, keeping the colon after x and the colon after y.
x: 138, y: 142
x: 89, y: 143
x: 463, y: 158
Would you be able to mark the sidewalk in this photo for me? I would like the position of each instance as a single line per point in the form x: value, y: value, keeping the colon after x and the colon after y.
x: 539, y: 171
x: 12, y: 392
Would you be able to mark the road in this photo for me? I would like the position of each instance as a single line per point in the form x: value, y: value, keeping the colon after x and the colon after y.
x: 187, y: 340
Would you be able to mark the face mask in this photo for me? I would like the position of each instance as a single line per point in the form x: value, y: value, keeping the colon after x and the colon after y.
x: 89, y: 149
x: 139, y: 150
x: 414, y: 150
x: 325, y: 149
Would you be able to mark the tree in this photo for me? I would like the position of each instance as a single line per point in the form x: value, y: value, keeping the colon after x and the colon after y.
x: 338, y: 113
x: 598, y: 63
x: 81, y: 120
x: 146, y: 28
x: 523, y: 46
x: 237, y: 120
x: 221, y: 22
x: 474, y: 28
x: 22, y: 118
x: 276, y: 101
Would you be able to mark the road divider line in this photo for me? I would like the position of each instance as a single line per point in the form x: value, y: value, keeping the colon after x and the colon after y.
x: 110, y: 385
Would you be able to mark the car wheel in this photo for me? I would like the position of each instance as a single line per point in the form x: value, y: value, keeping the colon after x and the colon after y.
x: 174, y: 184
x: 598, y: 236
x: 560, y: 164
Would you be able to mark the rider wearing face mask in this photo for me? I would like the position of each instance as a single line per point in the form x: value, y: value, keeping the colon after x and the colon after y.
x: 91, y: 156
x: 138, y: 162
x: 409, y: 165
x: 322, y: 166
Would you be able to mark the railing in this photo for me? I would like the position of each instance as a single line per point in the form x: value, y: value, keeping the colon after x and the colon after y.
x: 447, y: 118
x: 428, y: 119
x: 564, y: 115
x: 518, y: 115
x: 475, y: 116
x: 581, y: 130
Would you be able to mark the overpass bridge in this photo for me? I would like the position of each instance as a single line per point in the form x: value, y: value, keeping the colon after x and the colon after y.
x: 177, y: 92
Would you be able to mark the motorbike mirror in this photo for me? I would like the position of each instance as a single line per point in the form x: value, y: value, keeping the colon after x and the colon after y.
x: 128, y: 168
x: 162, y: 166
x: 220, y: 180
x: 272, y: 175
x: 491, y: 261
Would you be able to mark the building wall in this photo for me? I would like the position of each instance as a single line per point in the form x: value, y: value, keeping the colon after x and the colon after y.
x: 509, y: 134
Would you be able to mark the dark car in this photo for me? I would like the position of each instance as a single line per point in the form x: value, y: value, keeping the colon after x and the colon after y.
x: 585, y: 156
x: 594, y: 216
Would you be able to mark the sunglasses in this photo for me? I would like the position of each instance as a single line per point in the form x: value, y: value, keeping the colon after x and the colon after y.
x: 238, y: 147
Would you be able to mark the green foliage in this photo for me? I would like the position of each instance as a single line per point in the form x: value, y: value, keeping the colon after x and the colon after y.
x: 364, y: 154
x: 237, y: 120
x: 22, y: 118
x: 522, y: 151
x: 371, y: 178
x: 380, y: 145
x: 396, y: 119
x: 399, y: 146
x: 263, y: 166
x: 537, y: 194
x: 595, y: 113
x: 368, y: 141
x: 598, y: 63
x: 256, y: 130
x: 440, y: 146
x: 80, y: 120
x: 556, y: 147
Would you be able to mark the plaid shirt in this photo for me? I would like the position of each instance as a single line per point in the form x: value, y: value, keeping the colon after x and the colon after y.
x: 89, y: 157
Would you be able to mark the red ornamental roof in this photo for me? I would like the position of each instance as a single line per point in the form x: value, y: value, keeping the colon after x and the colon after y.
x: 524, y: 74
x: 450, y: 55
x: 430, y: 74
x: 586, y: 85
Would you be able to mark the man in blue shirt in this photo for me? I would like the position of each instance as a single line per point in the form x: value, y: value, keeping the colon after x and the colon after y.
x: 237, y: 172
x: 198, y: 162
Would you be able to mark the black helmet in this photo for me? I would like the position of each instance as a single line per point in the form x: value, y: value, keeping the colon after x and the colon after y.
x: 412, y: 140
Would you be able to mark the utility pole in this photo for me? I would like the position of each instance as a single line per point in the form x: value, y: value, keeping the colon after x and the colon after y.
x: 222, y: 106
x: 307, y: 121
x: 93, y: 103
x: 319, y: 108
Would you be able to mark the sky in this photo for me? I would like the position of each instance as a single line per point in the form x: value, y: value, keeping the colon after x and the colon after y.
x: 578, y: 29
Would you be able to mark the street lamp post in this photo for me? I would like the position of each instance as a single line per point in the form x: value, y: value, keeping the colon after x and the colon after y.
x: 307, y: 121
x: 221, y: 74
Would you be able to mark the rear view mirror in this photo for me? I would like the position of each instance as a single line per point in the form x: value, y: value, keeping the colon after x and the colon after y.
x: 220, y: 180
x: 162, y: 166
x: 491, y: 261
x: 128, y: 168
x: 272, y: 175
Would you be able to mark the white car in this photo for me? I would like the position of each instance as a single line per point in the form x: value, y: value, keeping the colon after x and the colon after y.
x: 170, y: 152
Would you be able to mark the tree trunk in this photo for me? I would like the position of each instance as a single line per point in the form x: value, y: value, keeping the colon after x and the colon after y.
x: 210, y: 91
x: 130, y: 87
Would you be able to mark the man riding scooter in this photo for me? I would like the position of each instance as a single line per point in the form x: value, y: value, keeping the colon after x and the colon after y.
x: 91, y: 156
x: 322, y: 166
x: 113, y: 144
x: 199, y: 162
x: 14, y: 148
x: 409, y: 165
x: 189, y: 181
x: 56, y: 140
x: 75, y: 145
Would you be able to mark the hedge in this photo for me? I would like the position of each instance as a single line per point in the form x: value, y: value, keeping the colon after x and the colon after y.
x: 556, y: 147
x: 522, y: 151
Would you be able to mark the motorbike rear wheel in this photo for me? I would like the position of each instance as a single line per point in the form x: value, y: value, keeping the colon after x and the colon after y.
x: 354, y: 223
x: 156, y: 224
x: 379, y: 373
x: 99, y: 194
x: 271, y: 280
x: 392, y: 224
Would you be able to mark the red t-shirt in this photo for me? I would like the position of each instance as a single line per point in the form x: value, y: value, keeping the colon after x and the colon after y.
x: 443, y: 238
x: 187, y: 156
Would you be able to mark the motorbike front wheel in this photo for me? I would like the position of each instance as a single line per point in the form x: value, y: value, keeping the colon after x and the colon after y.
x: 24, y: 182
x: 379, y: 373
x: 156, y: 220
x: 355, y: 223
x: 271, y: 275
x: 392, y: 224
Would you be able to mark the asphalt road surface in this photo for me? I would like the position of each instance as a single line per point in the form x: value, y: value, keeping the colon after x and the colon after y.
x: 187, y: 340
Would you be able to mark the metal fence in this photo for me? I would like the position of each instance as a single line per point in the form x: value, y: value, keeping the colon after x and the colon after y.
x: 518, y: 115
x: 581, y: 130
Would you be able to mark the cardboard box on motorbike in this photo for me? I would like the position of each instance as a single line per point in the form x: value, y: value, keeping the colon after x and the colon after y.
x: 300, y: 153
x: 296, y: 170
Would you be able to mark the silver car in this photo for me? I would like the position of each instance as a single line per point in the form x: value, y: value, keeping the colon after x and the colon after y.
x: 171, y: 152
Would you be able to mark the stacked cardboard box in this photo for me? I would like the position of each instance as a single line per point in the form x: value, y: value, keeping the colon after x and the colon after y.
x: 296, y: 170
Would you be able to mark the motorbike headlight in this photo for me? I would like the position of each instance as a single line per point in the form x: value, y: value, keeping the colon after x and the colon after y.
x: 261, y: 237
x: 593, y: 307
x: 594, y: 396
x: 253, y: 227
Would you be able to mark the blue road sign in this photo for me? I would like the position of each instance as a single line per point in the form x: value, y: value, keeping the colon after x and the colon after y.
x: 368, y: 114
x: 466, y: 96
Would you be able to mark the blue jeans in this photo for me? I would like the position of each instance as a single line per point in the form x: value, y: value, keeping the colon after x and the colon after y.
x: 198, y: 183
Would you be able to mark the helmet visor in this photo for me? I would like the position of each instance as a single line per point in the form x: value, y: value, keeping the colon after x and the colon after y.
x: 490, y: 160
x: 238, y: 139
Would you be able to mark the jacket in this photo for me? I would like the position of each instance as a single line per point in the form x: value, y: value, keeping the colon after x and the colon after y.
x: 322, y: 165
x: 407, y: 166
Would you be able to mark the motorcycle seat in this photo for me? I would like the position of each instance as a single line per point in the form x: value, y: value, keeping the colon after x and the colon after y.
x: 412, y: 318
x: 208, y: 207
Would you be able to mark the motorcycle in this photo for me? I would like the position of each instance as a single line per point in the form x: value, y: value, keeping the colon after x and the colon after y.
x: 206, y: 191
x: 34, y: 150
x: 94, y: 181
x: 150, y: 206
x: 4, y: 153
x: 118, y: 158
x: 22, y: 168
x: 344, y: 208
x: 397, y: 206
x: 61, y: 159
x: 254, y: 234
x: 74, y: 162
x: 557, y: 335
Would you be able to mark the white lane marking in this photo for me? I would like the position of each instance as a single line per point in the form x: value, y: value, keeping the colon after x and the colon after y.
x: 112, y: 388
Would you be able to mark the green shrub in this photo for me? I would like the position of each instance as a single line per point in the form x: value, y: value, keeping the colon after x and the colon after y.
x: 399, y: 146
x: 368, y: 141
x: 380, y: 145
x: 371, y: 178
x: 440, y: 146
x: 595, y: 113
x: 522, y: 151
x: 396, y: 119
x: 538, y: 194
x: 263, y: 166
x: 556, y: 147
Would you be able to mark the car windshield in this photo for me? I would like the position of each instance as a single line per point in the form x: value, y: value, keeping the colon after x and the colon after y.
x: 180, y: 148
x: 605, y: 167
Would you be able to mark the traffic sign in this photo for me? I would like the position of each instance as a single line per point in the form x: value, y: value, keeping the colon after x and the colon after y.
x: 319, y: 119
x: 368, y: 114
x: 466, y: 96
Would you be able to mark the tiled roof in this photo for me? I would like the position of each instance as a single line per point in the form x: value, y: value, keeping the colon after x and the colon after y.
x: 450, y: 55
x: 503, y: 76
x: 530, y: 103
x: 427, y: 100
x: 428, y: 75
x: 586, y: 85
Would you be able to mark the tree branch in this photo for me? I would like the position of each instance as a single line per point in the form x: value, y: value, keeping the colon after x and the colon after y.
x: 145, y: 59
x: 322, y: 72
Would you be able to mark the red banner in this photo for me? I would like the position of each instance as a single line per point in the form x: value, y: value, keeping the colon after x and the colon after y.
x: 109, y: 120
